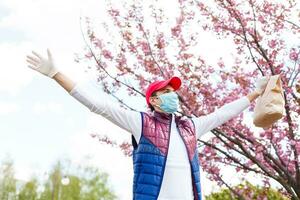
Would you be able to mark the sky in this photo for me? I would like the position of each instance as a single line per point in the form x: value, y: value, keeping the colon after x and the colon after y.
x: 40, y: 121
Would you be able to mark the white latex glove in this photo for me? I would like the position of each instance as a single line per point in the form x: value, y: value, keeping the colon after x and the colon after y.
x: 261, y: 84
x: 43, y: 65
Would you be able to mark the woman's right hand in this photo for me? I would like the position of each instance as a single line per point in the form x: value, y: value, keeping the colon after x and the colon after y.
x: 43, y: 65
x: 261, y: 84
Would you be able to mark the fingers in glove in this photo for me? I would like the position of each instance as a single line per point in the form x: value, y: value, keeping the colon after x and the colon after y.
x: 38, y: 55
x: 32, y: 62
x: 33, y: 59
x: 32, y: 67
x: 49, y: 53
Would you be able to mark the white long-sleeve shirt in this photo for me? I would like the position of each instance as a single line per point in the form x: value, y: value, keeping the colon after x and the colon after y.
x: 177, y: 180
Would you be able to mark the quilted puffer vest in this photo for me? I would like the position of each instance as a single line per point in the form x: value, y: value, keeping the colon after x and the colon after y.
x: 150, y: 154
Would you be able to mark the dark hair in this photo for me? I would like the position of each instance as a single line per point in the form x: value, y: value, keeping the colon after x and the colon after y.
x: 150, y: 106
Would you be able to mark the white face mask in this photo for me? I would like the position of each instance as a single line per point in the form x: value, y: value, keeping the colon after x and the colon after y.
x: 169, y: 102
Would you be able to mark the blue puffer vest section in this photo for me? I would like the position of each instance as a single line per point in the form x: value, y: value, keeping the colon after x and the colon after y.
x: 150, y: 154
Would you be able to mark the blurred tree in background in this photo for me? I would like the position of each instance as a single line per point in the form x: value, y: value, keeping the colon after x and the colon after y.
x: 249, y: 191
x: 28, y: 191
x: 85, y: 183
x: 7, y: 181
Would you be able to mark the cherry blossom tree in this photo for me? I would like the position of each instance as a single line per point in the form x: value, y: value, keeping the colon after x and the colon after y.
x: 142, y: 44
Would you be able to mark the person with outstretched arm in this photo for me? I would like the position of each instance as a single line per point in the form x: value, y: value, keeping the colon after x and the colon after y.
x: 165, y: 155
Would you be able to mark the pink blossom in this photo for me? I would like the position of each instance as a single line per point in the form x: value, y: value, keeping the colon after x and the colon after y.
x: 145, y: 47
x: 114, y: 12
x: 107, y: 54
x: 297, y: 145
x: 176, y: 31
x: 88, y: 55
x: 294, y: 55
x: 261, y: 19
x: 272, y: 43
x: 187, y: 55
x: 160, y: 41
x: 98, y: 43
x: 221, y: 63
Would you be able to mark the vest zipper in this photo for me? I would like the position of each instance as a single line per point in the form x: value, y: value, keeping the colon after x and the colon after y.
x: 166, y: 157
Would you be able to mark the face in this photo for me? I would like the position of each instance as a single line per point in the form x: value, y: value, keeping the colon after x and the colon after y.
x: 154, y: 99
